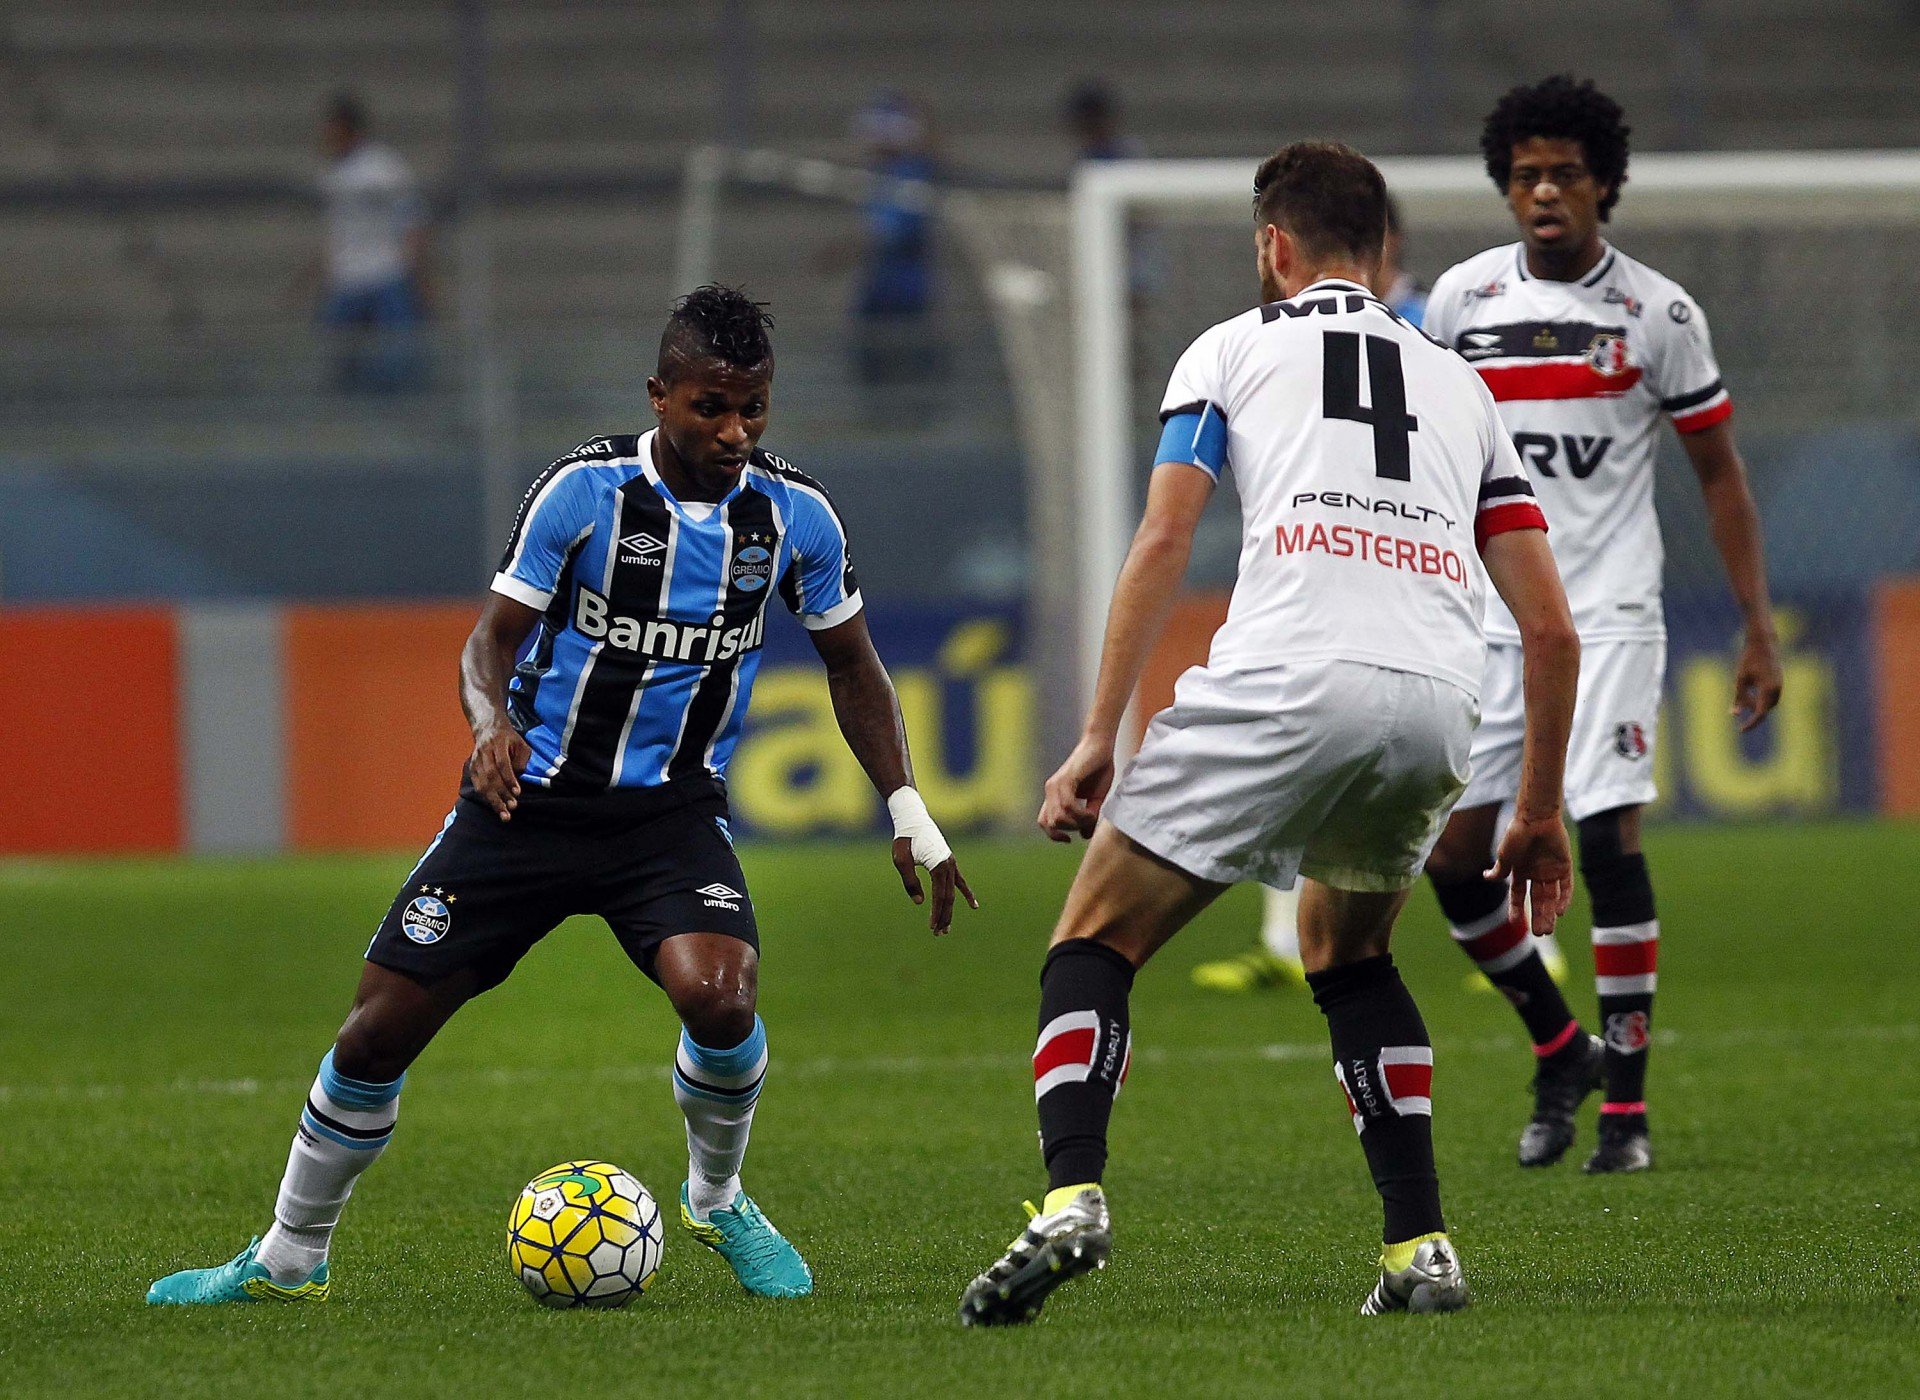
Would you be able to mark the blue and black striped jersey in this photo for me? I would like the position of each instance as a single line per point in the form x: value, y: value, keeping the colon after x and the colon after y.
x: 653, y: 610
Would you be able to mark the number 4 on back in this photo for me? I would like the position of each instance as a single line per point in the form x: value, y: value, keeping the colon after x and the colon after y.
x: 1386, y: 387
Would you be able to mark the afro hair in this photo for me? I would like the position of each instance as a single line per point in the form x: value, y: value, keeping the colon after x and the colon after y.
x: 1560, y: 108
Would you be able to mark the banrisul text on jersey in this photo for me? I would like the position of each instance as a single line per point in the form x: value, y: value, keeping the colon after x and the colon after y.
x: 654, y: 610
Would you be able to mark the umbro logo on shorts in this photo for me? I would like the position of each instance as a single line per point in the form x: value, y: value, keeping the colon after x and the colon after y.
x: 641, y: 548
x: 719, y: 896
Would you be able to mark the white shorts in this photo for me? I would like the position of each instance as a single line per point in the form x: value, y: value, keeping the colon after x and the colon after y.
x: 1615, y: 720
x: 1336, y: 770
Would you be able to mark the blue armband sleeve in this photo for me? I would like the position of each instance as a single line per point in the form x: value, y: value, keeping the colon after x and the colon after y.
x: 1196, y: 435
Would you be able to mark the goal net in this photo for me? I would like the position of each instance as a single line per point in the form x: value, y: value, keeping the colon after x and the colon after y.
x: 1804, y: 263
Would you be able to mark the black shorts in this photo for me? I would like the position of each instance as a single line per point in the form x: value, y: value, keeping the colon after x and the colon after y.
x: 652, y: 863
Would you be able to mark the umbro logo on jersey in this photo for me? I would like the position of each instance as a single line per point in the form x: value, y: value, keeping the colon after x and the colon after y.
x: 1479, y: 344
x: 641, y: 549
x: 719, y: 896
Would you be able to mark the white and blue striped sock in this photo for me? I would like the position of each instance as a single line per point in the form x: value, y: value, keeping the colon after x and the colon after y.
x: 716, y: 1090
x: 343, y: 1128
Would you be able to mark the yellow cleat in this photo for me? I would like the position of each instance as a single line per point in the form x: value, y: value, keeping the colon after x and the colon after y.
x: 1255, y: 971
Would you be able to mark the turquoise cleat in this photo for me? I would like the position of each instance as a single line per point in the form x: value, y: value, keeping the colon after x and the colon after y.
x: 239, y: 1280
x: 762, y: 1258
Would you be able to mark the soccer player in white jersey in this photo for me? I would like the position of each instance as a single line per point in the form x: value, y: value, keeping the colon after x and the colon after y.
x: 1327, y: 735
x: 1586, y: 351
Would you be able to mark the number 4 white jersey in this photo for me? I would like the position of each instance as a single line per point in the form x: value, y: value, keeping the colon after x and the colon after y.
x: 1371, y: 465
x: 1583, y: 372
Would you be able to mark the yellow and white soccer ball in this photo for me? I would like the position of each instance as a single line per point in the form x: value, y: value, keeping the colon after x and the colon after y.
x: 585, y: 1234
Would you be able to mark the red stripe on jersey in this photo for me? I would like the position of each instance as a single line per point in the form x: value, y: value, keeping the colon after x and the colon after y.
x: 1491, y: 945
x: 1409, y: 1081
x: 1626, y: 959
x: 1556, y: 379
x: 1704, y: 418
x: 1497, y: 520
x: 1067, y: 1048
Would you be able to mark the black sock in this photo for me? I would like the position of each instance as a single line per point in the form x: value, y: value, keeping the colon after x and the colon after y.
x: 1384, y: 1062
x: 1476, y: 912
x: 1081, y: 1059
x: 1626, y: 954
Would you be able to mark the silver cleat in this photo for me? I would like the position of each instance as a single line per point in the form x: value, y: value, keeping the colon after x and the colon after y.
x: 1074, y: 1240
x: 1432, y: 1283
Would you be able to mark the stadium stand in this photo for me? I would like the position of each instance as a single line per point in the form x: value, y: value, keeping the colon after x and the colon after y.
x: 157, y: 157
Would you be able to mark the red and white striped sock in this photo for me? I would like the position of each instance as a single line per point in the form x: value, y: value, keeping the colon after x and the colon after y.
x: 1626, y: 969
x: 1477, y: 915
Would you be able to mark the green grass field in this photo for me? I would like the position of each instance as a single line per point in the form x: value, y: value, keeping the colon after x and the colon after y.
x: 161, y: 1022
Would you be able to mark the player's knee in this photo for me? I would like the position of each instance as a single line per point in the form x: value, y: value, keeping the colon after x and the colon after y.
x: 1324, y: 950
x: 1464, y: 850
x: 1454, y: 864
x: 1607, y: 836
x: 1114, y: 936
x: 371, y: 1053
x: 1617, y: 880
x: 717, y: 1013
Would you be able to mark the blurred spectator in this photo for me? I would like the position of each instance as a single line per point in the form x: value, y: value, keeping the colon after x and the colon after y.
x: 894, y: 341
x: 1395, y: 285
x: 374, y: 259
x: 1092, y: 115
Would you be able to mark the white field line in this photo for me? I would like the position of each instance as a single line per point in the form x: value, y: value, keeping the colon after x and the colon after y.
x: 831, y: 1066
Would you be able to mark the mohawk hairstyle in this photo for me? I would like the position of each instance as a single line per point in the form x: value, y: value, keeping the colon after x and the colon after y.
x: 716, y: 323
x: 1560, y: 108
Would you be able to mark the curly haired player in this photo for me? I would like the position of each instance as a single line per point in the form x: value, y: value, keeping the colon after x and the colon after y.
x: 1586, y: 350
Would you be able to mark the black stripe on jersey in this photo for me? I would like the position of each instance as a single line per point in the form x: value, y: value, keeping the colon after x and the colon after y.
x: 749, y: 518
x: 1679, y: 403
x: 531, y: 671
x: 599, y: 449
x: 1531, y: 340
x: 790, y: 584
x: 1505, y: 486
x: 1197, y: 406
x: 614, y: 675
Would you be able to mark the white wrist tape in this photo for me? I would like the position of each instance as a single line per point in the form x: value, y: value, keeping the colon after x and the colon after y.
x: 911, y: 820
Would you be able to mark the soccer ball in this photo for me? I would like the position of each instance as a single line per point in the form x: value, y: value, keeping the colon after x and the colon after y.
x: 585, y: 1234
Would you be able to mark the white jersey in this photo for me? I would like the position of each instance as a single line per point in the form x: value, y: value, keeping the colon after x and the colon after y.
x: 1583, y: 372
x: 1371, y: 466
x: 372, y: 205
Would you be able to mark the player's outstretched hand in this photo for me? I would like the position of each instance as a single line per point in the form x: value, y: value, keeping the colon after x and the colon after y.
x: 946, y: 879
x: 1077, y: 791
x: 498, y: 756
x: 1757, y: 681
x: 1535, y: 855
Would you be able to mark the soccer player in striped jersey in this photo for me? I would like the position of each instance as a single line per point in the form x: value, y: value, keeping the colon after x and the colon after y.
x: 1586, y: 351
x: 640, y: 567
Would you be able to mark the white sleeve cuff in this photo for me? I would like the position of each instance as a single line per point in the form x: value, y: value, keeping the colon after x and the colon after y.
x: 833, y: 616
x: 507, y: 586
